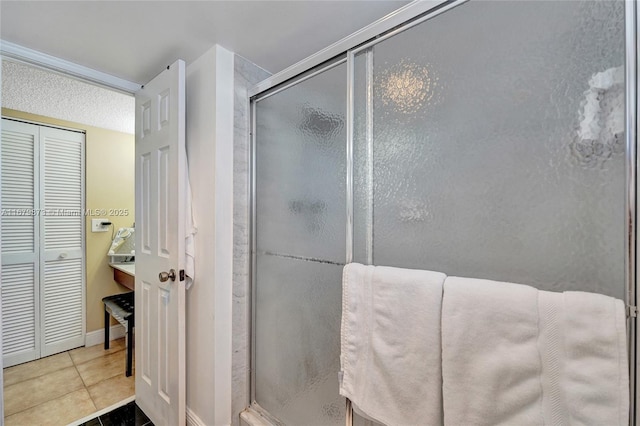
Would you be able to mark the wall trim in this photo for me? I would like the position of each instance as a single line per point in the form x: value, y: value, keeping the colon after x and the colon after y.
x: 253, y: 418
x: 193, y: 419
x: 94, y: 338
x: 223, y: 241
x: 46, y: 61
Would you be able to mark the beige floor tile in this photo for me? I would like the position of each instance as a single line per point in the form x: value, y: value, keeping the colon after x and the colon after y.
x: 102, y: 368
x: 82, y: 355
x: 30, y: 370
x: 110, y: 391
x: 58, y: 412
x: 32, y: 392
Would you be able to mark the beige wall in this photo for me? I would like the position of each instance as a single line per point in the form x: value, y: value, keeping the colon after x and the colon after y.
x: 109, y: 184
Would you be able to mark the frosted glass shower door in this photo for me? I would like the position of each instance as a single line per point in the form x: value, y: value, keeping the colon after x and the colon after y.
x: 489, y: 143
x: 300, y: 205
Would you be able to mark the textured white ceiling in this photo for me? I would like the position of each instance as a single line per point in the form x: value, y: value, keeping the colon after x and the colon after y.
x: 36, y: 91
x: 135, y: 40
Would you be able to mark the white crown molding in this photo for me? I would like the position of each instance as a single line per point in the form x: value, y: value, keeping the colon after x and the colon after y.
x: 23, y: 54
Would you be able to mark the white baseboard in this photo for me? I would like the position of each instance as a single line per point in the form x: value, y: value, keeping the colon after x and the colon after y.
x: 193, y: 419
x: 94, y: 338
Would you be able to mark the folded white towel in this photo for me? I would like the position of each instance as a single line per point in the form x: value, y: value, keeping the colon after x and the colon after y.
x: 390, y: 360
x: 595, y: 374
x: 490, y: 363
x: 514, y: 355
x: 552, y: 356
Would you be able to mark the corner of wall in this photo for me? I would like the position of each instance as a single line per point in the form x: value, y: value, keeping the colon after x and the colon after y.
x: 200, y: 141
x: 246, y: 75
x: 210, y: 157
x: 218, y: 156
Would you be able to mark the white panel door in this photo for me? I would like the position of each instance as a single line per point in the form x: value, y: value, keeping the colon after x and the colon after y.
x: 62, y: 289
x: 20, y: 232
x: 160, y: 196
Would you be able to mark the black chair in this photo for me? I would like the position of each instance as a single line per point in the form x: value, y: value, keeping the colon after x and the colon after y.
x: 121, y: 307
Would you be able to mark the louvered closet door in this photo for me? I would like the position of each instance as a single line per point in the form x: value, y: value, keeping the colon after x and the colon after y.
x: 20, y: 231
x: 62, y: 290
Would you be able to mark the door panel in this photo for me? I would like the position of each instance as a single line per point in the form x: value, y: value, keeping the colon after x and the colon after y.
x: 476, y: 152
x: 20, y: 234
x: 299, y: 384
x: 300, y: 169
x: 160, y: 185
x: 63, y: 301
x: 20, y: 317
x: 300, y: 238
x: 62, y: 289
x: 484, y: 159
x: 43, y: 241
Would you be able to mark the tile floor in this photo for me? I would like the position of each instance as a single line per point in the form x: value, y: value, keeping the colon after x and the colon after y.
x: 61, y: 388
x: 127, y: 415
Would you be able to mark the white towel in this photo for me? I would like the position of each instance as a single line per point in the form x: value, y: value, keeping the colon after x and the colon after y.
x: 490, y: 363
x: 595, y: 376
x: 514, y: 355
x: 551, y: 347
x: 390, y: 343
x: 189, y: 240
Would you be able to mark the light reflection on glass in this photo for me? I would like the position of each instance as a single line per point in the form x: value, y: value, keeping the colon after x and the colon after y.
x: 407, y: 87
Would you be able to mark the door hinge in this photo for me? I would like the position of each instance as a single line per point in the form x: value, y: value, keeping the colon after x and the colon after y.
x: 632, y: 311
x: 181, y: 274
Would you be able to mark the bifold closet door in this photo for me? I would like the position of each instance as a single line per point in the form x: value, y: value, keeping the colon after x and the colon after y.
x: 61, y: 249
x: 42, y: 241
x: 20, y: 233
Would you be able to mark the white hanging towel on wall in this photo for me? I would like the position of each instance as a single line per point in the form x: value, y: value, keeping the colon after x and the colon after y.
x: 189, y: 243
x: 514, y: 355
x: 390, y: 344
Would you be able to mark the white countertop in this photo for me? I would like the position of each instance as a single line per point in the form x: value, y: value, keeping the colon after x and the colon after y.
x: 127, y: 268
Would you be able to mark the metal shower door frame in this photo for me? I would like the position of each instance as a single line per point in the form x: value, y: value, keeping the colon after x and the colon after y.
x: 397, y: 22
x: 632, y: 64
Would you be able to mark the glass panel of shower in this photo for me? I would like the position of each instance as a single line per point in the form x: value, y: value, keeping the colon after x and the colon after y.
x: 487, y: 141
x: 300, y: 206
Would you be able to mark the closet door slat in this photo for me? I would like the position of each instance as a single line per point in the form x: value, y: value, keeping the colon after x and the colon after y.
x: 20, y: 228
x: 43, y: 270
x: 62, y: 195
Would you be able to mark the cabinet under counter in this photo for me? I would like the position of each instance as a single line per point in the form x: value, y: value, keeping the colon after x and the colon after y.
x: 124, y: 274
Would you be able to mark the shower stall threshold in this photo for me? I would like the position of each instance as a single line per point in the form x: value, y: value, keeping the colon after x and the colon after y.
x: 250, y: 417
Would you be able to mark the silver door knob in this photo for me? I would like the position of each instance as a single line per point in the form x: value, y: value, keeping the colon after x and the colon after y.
x: 164, y: 276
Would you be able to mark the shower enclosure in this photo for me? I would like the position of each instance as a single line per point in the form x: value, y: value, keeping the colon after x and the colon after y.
x: 482, y: 139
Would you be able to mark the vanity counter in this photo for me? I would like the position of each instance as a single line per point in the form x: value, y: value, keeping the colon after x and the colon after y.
x: 124, y: 274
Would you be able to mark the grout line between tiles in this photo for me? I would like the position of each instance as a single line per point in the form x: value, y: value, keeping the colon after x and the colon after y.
x: 43, y: 374
x: 49, y: 400
x: 83, y: 382
x: 84, y: 385
x: 52, y: 399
